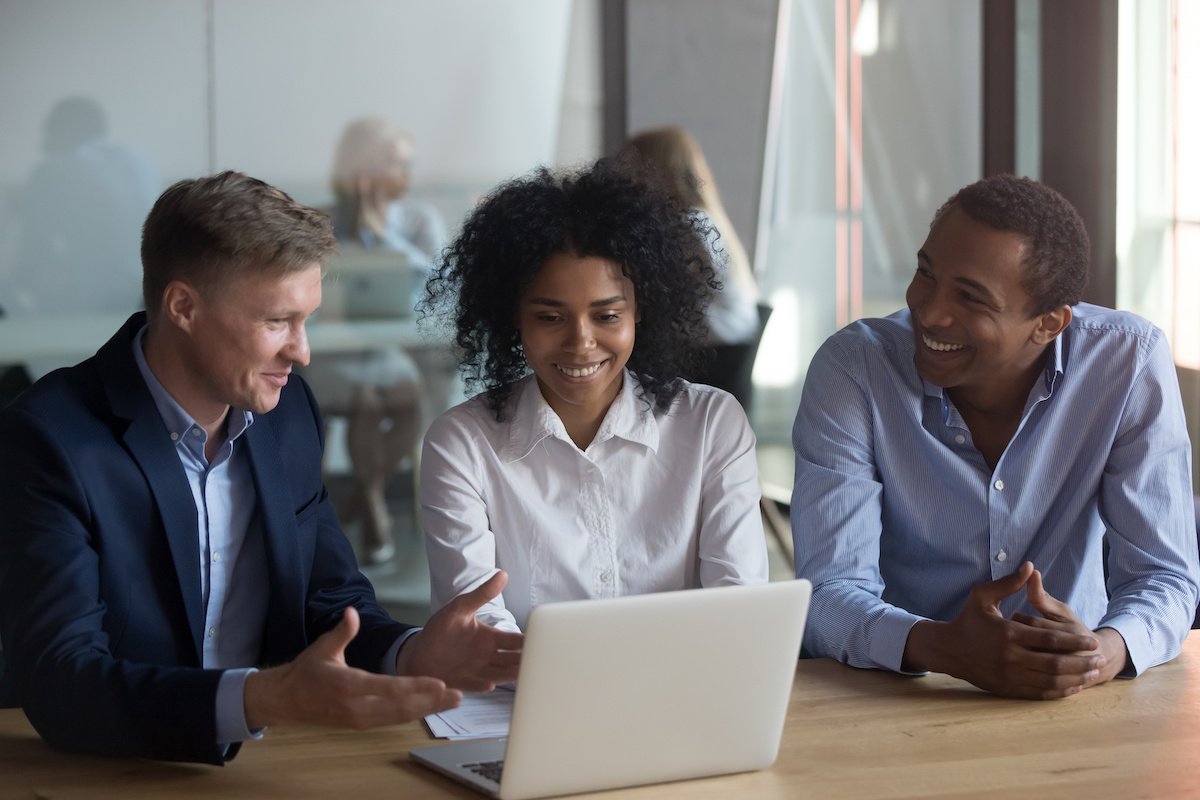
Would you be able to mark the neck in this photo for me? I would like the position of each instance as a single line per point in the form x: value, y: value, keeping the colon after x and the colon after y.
x: 582, y: 423
x: 1003, y: 397
x: 171, y: 367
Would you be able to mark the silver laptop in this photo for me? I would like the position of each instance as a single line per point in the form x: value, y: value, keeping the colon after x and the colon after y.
x: 363, y: 284
x: 642, y: 689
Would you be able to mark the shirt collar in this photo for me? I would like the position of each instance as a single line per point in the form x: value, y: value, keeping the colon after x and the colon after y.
x: 178, y: 421
x: 629, y: 417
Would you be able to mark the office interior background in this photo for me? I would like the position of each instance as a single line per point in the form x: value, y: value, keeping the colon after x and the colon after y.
x: 835, y: 129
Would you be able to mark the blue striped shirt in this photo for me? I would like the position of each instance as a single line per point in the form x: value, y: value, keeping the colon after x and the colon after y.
x: 896, y: 516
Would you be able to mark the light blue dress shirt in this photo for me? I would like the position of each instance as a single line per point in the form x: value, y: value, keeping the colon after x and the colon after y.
x: 896, y: 516
x: 233, y: 563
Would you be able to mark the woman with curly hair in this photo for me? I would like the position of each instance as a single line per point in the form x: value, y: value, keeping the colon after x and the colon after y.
x: 586, y: 468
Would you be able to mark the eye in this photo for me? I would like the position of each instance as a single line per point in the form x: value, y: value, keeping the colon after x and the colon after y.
x: 609, y: 316
x: 922, y: 272
x: 547, y: 317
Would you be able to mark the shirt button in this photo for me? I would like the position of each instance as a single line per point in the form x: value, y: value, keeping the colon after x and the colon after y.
x: 212, y: 632
x: 606, y: 576
x: 999, y: 486
x: 960, y: 439
x: 174, y: 436
x: 195, y: 431
x: 591, y: 470
x: 1002, y: 556
x: 216, y: 556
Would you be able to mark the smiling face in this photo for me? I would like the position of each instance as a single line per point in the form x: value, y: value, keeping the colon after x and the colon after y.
x: 576, y: 318
x: 970, y: 310
x: 242, y: 342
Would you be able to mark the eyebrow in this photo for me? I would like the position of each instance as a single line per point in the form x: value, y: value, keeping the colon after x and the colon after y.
x: 607, y: 301
x: 987, y: 293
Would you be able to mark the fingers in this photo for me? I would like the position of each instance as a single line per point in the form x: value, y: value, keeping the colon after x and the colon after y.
x: 506, y: 640
x: 482, y: 593
x: 990, y: 594
x: 1047, y: 605
x: 1056, y: 635
x: 397, y: 700
x: 1036, y: 633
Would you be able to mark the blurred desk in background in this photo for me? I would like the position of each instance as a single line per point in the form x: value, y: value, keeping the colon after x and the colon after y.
x: 70, y: 339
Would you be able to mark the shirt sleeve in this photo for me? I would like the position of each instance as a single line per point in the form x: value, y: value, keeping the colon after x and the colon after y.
x: 231, y: 708
x: 458, y: 540
x: 836, y: 520
x: 732, y: 546
x: 1147, y: 508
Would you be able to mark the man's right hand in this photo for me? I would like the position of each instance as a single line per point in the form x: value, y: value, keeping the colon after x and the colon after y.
x: 319, y: 687
x: 1004, y: 656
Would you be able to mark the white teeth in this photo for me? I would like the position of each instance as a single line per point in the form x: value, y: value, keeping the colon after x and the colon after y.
x: 940, y: 346
x: 579, y: 373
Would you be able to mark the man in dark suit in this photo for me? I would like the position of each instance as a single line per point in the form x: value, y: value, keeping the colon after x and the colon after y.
x: 164, y: 528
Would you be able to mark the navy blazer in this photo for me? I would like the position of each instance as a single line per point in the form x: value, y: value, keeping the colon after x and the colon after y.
x: 101, y: 613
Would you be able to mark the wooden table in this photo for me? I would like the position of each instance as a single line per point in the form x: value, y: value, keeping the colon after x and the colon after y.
x: 850, y: 734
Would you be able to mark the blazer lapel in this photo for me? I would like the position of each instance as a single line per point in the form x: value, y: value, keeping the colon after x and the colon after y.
x: 284, y: 633
x: 148, y: 443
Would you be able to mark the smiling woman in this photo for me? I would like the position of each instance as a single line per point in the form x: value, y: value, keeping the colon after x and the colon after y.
x: 602, y: 473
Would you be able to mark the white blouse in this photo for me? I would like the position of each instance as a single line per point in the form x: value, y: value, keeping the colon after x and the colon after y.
x: 658, y: 501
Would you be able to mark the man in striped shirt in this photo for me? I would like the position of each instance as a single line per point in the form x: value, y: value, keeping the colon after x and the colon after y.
x: 959, y: 462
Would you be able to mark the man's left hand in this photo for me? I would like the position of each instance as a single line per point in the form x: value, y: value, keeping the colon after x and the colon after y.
x: 1057, y: 615
x: 464, y: 652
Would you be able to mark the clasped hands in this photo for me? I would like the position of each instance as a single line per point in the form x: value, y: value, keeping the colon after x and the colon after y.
x: 454, y: 651
x: 1040, y: 658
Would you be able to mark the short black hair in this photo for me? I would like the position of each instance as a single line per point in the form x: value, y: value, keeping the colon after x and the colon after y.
x: 612, y: 210
x: 1059, y: 259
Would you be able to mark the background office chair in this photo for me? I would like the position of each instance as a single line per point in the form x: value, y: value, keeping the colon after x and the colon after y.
x: 733, y: 365
x: 731, y: 370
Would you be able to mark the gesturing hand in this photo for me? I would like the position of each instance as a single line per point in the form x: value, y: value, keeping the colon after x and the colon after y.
x: 1009, y: 657
x: 464, y: 652
x: 1057, y: 615
x: 319, y: 687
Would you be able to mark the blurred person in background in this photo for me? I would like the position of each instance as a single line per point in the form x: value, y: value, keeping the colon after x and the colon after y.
x: 679, y: 163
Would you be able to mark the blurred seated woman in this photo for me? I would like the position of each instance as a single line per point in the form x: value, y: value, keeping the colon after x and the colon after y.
x: 680, y: 165
x: 372, y: 173
x: 379, y: 392
x: 586, y: 468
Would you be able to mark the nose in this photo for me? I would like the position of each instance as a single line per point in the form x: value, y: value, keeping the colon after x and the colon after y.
x: 931, y: 306
x: 580, y: 338
x: 296, y: 350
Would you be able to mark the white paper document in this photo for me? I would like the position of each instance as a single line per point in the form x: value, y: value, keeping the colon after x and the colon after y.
x: 480, y: 715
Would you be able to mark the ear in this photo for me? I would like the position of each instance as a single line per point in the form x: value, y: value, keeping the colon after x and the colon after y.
x: 1051, y: 324
x: 181, y: 304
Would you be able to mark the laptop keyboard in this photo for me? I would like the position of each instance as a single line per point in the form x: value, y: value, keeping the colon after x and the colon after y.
x: 488, y: 769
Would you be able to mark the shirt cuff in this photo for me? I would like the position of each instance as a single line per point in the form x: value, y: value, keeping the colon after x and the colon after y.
x: 388, y: 667
x: 231, y: 708
x: 888, y: 637
x: 1137, y: 643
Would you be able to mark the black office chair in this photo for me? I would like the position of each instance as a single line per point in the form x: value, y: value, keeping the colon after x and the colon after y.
x: 731, y: 370
x: 733, y: 365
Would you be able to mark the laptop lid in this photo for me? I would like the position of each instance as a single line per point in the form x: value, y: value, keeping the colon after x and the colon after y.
x: 651, y: 688
x: 364, y: 284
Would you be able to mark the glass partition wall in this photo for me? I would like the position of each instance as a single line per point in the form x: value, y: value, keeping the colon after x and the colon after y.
x: 881, y: 122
